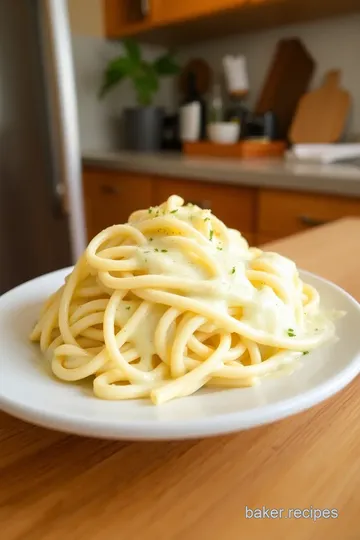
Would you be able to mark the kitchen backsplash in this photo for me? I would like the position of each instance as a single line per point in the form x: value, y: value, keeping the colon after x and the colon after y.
x: 333, y: 43
x: 100, y: 120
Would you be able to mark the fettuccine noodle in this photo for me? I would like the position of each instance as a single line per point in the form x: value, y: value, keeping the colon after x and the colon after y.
x: 174, y: 301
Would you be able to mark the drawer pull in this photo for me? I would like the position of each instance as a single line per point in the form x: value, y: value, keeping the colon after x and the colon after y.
x: 312, y: 222
x: 109, y: 190
x: 205, y: 205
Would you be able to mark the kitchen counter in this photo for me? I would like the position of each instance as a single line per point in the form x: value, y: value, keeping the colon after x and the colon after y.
x: 271, y: 173
x: 57, y: 486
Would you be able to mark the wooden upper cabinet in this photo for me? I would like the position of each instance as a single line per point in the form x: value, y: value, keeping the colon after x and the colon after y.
x: 172, y: 11
x: 127, y: 17
x: 179, y: 22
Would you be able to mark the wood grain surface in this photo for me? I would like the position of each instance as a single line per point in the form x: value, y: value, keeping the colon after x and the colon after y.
x: 56, y: 486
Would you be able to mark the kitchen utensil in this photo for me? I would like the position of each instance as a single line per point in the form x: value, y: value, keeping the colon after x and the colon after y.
x: 236, y: 76
x: 287, y: 80
x: 321, y: 114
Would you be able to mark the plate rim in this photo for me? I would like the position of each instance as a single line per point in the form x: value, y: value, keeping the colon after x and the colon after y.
x: 218, y: 424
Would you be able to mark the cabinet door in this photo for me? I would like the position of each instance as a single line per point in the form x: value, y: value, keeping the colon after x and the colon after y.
x: 167, y: 10
x: 234, y: 205
x: 126, y: 16
x: 111, y: 196
x: 282, y: 213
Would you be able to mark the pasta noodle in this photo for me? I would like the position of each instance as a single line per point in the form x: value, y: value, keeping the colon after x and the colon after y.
x: 174, y: 301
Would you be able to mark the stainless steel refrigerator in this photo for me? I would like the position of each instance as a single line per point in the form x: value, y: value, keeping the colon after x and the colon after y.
x: 41, y: 210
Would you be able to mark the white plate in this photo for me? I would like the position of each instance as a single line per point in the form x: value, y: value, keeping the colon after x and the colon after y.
x: 29, y: 392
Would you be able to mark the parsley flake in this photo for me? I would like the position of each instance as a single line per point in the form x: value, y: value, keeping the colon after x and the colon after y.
x: 173, y: 211
x: 150, y: 210
x: 156, y: 249
x: 128, y: 307
x: 291, y: 332
x: 219, y: 248
x: 151, y: 239
x: 211, y: 235
x: 164, y: 251
x: 306, y: 352
x: 233, y: 270
x: 207, y: 219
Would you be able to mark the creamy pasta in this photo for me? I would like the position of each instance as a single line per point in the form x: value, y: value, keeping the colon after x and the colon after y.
x: 173, y: 301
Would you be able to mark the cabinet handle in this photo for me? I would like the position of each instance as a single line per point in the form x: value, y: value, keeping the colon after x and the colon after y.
x: 109, y: 190
x: 312, y: 222
x: 205, y: 205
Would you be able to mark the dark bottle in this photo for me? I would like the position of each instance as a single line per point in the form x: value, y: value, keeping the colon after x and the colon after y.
x: 192, y: 95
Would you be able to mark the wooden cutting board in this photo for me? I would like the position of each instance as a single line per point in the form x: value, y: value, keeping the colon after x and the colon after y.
x: 321, y: 115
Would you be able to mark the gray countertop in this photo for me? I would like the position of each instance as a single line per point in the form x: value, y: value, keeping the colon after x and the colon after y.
x: 272, y: 173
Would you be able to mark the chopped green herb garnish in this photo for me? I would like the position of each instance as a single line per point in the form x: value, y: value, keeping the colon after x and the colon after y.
x: 233, y: 270
x: 156, y: 249
x: 128, y: 307
x: 174, y: 211
x: 164, y: 251
x: 207, y: 219
x: 150, y: 210
x: 291, y: 332
x: 151, y: 239
x: 211, y: 235
x: 219, y: 248
x: 306, y: 352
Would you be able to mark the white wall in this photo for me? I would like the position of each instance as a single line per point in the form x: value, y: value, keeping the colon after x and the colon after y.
x: 100, y: 120
x: 334, y: 43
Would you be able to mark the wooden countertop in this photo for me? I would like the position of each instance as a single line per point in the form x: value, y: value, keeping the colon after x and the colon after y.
x: 56, y: 486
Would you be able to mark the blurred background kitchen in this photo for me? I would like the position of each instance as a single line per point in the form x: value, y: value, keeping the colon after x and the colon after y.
x: 248, y: 107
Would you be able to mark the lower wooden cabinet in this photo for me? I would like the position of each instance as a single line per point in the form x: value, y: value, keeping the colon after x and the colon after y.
x: 261, y: 215
x: 111, y: 196
x: 282, y: 213
x: 234, y: 205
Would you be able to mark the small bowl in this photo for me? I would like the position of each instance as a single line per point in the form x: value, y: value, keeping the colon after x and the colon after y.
x: 224, y: 132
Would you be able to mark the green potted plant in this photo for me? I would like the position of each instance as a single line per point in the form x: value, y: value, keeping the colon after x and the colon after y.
x: 142, y: 124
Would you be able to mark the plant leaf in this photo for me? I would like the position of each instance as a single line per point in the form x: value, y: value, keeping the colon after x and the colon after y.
x: 146, y: 83
x: 133, y: 50
x: 166, y: 65
x: 116, y: 71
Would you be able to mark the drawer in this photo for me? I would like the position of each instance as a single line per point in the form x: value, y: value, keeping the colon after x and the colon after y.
x: 111, y: 196
x: 235, y: 206
x: 282, y: 213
